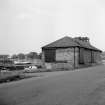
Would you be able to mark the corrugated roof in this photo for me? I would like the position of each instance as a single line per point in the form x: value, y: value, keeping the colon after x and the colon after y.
x: 70, y: 42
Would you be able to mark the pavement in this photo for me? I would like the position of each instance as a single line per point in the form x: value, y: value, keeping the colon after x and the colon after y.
x: 79, y: 87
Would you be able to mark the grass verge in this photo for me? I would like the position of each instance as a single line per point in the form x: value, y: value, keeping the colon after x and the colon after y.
x: 13, y: 76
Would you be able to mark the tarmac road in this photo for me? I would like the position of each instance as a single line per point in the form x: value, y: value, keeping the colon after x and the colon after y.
x: 79, y: 87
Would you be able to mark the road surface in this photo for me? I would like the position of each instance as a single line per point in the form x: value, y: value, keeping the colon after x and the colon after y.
x: 79, y: 87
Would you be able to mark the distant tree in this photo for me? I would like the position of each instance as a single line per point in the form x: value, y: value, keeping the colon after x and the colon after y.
x: 21, y: 56
x: 32, y: 55
x: 4, y: 56
x: 14, y: 56
x: 40, y: 55
x: 5, y: 60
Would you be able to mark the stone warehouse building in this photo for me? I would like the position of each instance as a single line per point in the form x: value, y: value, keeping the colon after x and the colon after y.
x: 68, y: 52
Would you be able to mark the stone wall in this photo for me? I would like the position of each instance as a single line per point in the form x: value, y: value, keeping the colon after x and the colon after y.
x: 58, y: 66
x: 97, y: 57
x: 64, y: 59
x: 87, y: 56
x: 43, y: 59
x: 90, y: 57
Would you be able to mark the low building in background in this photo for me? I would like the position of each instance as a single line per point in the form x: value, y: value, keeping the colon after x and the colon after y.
x: 68, y: 52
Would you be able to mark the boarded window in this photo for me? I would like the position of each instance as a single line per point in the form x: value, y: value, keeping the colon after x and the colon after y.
x: 65, y: 54
x: 92, y: 54
x: 50, y: 55
x: 81, y: 56
x: 87, y: 56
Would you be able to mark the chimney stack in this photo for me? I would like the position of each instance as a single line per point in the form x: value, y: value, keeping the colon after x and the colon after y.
x: 84, y: 39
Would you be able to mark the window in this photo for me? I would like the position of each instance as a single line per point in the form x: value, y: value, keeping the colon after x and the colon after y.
x: 50, y: 55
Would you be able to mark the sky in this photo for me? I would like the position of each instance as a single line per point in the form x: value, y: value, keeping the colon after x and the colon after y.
x: 27, y: 25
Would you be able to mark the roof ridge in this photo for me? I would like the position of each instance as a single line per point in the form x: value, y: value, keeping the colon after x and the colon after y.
x: 62, y: 42
x: 70, y: 42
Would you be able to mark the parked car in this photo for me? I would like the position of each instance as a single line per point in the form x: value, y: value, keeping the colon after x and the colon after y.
x: 30, y: 69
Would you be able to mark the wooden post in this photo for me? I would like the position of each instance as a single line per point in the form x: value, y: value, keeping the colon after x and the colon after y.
x: 79, y: 56
x: 74, y: 57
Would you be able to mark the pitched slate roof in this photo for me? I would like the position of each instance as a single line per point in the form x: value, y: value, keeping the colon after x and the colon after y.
x: 86, y: 45
x: 70, y: 42
x: 63, y: 42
